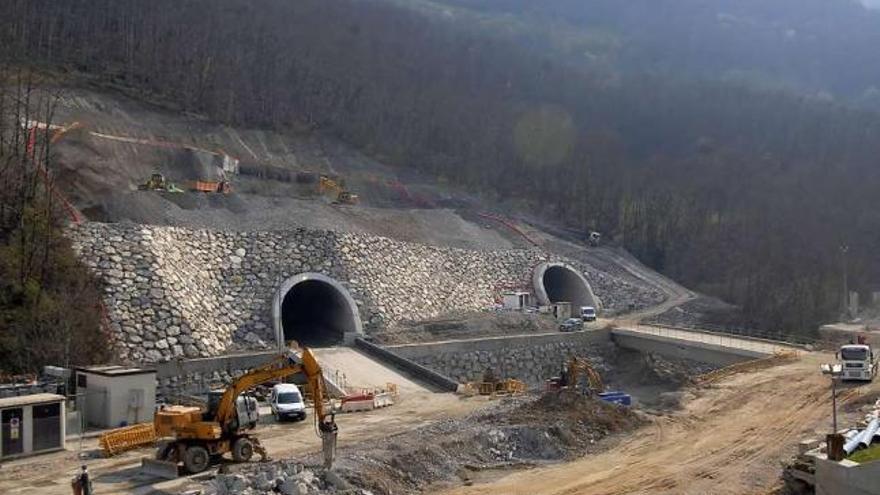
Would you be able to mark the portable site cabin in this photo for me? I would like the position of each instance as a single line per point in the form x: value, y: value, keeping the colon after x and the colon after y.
x: 31, y: 424
x: 113, y: 396
x: 516, y: 301
x: 561, y: 310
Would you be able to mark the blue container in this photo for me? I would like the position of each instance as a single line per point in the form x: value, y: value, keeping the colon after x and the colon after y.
x: 621, y: 398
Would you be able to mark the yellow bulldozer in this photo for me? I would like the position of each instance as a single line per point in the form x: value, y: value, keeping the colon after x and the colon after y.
x: 157, y: 182
x: 198, y: 437
x: 337, y: 190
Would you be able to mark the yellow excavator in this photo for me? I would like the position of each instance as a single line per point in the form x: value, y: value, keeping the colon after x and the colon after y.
x: 571, y: 375
x: 196, y: 437
x: 342, y: 196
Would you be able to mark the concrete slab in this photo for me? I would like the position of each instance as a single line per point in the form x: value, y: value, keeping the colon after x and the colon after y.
x: 362, y: 371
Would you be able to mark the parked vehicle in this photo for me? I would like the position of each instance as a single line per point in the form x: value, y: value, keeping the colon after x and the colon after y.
x: 287, y: 402
x: 571, y: 325
x: 588, y: 313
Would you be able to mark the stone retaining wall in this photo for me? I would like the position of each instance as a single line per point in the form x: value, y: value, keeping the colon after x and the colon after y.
x: 531, y: 359
x: 173, y: 292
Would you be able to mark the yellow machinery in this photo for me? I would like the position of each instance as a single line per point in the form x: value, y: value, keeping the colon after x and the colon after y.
x: 337, y: 190
x: 157, y: 182
x: 199, y: 436
x: 573, y: 371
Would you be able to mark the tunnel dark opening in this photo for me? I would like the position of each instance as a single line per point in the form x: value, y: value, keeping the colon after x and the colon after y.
x: 315, y: 313
x: 564, y: 285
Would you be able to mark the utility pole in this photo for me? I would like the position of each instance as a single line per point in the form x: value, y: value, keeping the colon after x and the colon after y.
x: 843, y: 251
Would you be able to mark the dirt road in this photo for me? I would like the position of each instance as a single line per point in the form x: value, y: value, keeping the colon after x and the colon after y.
x: 730, y: 439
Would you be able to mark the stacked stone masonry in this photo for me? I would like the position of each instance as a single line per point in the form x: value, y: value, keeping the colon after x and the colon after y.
x: 180, y: 293
x: 531, y: 360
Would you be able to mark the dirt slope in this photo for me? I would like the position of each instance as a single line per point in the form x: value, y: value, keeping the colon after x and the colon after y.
x: 731, y: 439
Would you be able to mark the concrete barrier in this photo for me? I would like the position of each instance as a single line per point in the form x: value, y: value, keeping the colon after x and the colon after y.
x: 405, y: 365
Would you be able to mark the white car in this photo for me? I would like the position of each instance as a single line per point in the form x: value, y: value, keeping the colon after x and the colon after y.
x: 287, y: 402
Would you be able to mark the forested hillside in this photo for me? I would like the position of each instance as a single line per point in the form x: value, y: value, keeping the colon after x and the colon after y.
x: 747, y: 194
x: 825, y: 48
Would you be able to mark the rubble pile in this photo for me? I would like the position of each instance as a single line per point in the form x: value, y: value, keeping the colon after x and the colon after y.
x: 285, y: 478
x: 517, y: 431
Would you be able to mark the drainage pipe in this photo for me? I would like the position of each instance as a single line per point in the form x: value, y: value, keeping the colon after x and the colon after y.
x: 853, y: 443
x: 868, y: 435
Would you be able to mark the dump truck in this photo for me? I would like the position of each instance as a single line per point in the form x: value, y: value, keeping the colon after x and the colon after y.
x: 197, y: 437
x: 212, y: 186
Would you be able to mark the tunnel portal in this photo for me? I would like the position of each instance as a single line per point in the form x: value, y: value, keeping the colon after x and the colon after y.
x: 558, y: 282
x: 315, y: 311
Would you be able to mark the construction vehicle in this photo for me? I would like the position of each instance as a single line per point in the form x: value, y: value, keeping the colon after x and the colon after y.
x: 574, y: 371
x: 858, y: 361
x: 157, y: 182
x: 337, y: 190
x: 571, y: 374
x: 212, y: 186
x: 198, y: 437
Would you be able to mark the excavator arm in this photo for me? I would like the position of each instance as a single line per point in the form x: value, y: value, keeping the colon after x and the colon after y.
x: 280, y: 367
x: 577, y: 366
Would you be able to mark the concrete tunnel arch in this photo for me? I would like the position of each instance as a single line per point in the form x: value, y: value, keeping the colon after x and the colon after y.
x: 558, y: 282
x: 314, y: 310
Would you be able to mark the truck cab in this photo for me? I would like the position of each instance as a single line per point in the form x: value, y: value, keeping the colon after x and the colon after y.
x: 859, y: 362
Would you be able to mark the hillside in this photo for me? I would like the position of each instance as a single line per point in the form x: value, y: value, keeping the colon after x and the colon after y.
x: 791, y: 45
x: 739, y: 191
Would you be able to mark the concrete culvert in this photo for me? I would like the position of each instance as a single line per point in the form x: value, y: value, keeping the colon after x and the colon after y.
x: 315, y: 311
x: 558, y: 282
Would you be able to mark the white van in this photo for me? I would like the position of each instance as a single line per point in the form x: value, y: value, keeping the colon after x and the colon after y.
x: 588, y: 313
x: 287, y: 402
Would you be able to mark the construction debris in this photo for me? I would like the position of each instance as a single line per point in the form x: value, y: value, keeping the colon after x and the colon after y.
x: 523, y: 430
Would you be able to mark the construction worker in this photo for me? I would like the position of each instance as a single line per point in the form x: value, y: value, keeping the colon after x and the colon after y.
x: 81, y: 484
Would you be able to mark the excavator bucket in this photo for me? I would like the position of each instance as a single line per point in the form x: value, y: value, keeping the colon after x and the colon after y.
x: 159, y: 469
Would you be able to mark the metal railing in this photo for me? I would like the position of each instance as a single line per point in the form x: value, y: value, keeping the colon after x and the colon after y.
x: 756, y: 341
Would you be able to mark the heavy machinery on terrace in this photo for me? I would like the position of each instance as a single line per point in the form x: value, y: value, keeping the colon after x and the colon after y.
x: 336, y: 189
x: 571, y: 375
x: 157, y: 182
x: 196, y: 437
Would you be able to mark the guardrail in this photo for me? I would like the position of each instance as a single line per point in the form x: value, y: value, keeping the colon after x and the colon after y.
x: 430, y: 376
x: 737, y: 337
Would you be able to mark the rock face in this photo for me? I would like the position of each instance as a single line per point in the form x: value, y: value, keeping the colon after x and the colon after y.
x: 179, y: 293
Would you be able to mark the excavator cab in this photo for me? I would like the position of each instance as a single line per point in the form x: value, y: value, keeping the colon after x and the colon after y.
x: 246, y: 415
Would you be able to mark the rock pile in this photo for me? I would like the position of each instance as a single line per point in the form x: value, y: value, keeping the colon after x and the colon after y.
x: 285, y: 477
